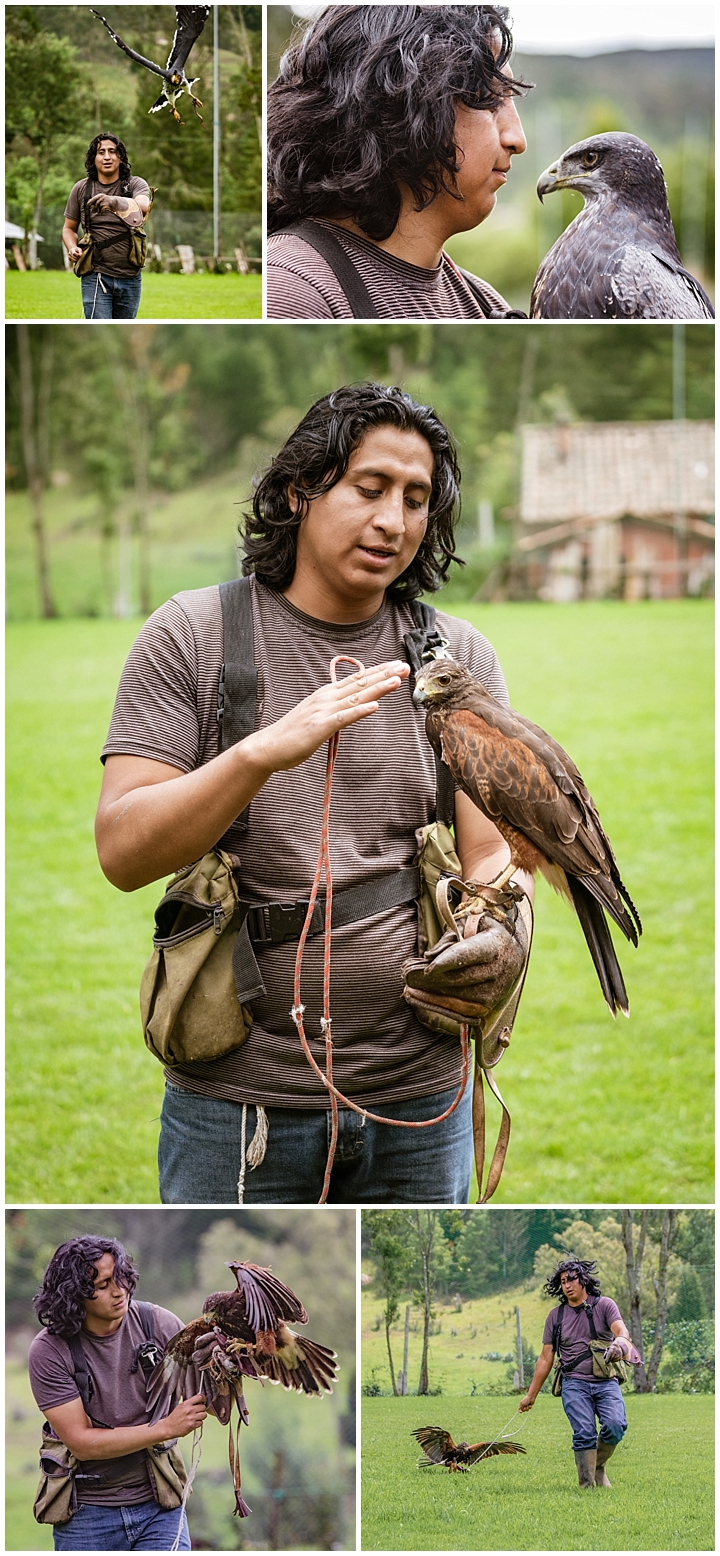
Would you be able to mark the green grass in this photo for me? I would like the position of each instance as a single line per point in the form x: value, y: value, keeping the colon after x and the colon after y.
x: 602, y: 1112
x: 662, y: 1476
x: 55, y: 294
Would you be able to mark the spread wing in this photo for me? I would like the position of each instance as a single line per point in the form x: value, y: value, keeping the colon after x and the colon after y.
x: 435, y: 1442
x: 267, y: 1300
x: 298, y: 1363
x: 190, y: 21
x: 132, y: 53
x: 200, y: 1359
x: 477, y: 1451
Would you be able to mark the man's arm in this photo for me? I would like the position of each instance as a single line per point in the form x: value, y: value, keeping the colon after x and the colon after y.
x: 131, y: 209
x: 69, y: 237
x: 152, y: 819
x: 75, y: 1429
x: 543, y: 1368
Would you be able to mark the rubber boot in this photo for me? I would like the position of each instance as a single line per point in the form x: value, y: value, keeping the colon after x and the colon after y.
x: 586, y: 1458
x: 604, y: 1450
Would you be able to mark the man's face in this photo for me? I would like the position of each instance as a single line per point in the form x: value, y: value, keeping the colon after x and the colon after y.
x: 573, y: 1288
x: 362, y: 534
x: 110, y: 1302
x: 486, y: 140
x: 107, y: 160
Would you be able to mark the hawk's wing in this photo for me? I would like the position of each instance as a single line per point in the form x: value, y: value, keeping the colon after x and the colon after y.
x: 200, y: 1360
x: 478, y: 1451
x: 267, y: 1300
x: 132, y: 53
x: 190, y: 20
x: 435, y: 1442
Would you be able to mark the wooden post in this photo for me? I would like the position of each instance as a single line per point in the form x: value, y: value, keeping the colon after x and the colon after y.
x: 403, y: 1390
x: 521, y: 1372
x: 276, y: 1498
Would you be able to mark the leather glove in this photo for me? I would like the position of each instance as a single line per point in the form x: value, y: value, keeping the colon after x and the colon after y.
x: 470, y: 974
x: 619, y: 1350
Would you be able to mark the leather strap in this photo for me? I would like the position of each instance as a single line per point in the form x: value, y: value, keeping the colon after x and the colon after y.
x: 237, y: 689
x: 331, y: 250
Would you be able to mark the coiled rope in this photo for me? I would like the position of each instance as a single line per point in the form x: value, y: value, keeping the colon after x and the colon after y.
x: 326, y: 1076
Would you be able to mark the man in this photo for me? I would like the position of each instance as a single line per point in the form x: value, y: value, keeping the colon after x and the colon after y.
x: 353, y: 520
x: 87, y: 1292
x: 568, y: 1329
x: 108, y: 203
x: 390, y: 128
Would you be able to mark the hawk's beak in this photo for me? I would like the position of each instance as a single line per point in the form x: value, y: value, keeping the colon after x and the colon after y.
x: 419, y: 697
x: 548, y: 182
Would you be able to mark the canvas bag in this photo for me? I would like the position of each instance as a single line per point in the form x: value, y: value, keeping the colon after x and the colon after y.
x: 138, y: 240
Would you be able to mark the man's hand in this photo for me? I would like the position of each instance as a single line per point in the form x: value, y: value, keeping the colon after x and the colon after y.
x: 527, y: 1403
x: 292, y: 739
x: 186, y: 1416
x: 74, y: 250
x: 467, y: 979
x: 105, y: 202
x: 619, y: 1350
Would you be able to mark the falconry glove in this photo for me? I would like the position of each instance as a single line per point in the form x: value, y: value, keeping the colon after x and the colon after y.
x: 471, y: 973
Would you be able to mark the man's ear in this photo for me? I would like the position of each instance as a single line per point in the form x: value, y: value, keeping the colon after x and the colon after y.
x: 293, y: 499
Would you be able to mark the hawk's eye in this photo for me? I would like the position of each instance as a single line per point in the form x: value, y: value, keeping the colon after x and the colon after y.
x: 589, y: 158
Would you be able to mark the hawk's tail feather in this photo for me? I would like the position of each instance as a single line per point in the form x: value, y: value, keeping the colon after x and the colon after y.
x: 599, y: 943
x: 601, y: 888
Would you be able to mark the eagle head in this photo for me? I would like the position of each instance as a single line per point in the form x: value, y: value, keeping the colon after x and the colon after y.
x: 602, y: 165
x: 440, y: 680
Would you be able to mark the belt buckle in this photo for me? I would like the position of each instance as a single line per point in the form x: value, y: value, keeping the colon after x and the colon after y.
x: 286, y: 919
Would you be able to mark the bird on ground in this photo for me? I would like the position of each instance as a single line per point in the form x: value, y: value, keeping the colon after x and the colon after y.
x: 241, y: 1334
x: 190, y: 20
x: 619, y: 258
x: 521, y: 779
x: 438, y: 1448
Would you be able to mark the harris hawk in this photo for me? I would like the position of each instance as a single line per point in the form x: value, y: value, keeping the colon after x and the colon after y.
x: 619, y: 258
x: 438, y: 1448
x: 241, y: 1334
x: 523, y: 781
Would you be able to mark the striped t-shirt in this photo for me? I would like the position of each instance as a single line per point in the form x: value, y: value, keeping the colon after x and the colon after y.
x: 383, y: 791
x: 301, y: 285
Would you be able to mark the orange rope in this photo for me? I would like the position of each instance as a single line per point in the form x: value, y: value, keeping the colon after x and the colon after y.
x: 323, y: 867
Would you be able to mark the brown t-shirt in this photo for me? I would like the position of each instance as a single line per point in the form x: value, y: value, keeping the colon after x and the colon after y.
x: 576, y: 1331
x: 383, y: 790
x: 110, y: 233
x: 118, y: 1399
x: 301, y: 285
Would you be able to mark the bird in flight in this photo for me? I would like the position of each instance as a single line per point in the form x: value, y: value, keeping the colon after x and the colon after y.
x: 190, y: 20
x: 619, y: 258
x: 520, y: 778
x: 241, y: 1334
x: 438, y: 1448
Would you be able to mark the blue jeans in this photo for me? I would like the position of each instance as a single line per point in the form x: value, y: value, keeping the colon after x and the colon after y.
x: 199, y: 1154
x: 145, y: 1527
x: 584, y: 1399
x: 110, y: 297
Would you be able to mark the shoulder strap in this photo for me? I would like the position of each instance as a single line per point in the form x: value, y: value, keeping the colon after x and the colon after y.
x: 487, y: 301
x: 422, y: 645
x: 83, y: 1376
x: 557, y: 1330
x: 589, y: 1310
x: 237, y: 689
x: 144, y: 1312
x: 82, y: 198
x: 327, y: 245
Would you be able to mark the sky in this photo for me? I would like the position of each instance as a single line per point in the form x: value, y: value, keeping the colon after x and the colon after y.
x: 569, y: 27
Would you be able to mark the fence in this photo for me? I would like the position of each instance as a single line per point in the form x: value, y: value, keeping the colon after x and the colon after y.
x: 164, y: 227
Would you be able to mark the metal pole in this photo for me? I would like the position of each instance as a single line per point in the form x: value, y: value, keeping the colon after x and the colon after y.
x: 216, y: 138
x: 679, y: 412
x: 521, y: 1373
x: 405, y: 1350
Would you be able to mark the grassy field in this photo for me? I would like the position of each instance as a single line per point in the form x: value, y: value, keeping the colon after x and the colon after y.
x: 277, y: 1419
x: 662, y: 1476
x: 602, y: 1113
x: 55, y: 294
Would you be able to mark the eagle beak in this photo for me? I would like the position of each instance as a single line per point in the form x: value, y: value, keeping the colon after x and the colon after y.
x: 548, y: 182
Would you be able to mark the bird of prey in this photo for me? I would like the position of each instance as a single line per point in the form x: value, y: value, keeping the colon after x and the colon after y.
x: 438, y: 1448
x: 619, y: 258
x: 190, y: 20
x: 241, y: 1334
x: 520, y: 778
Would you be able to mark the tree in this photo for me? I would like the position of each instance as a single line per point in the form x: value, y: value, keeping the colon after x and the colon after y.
x: 392, y: 1259
x: 431, y: 1264
x: 46, y: 94
x: 669, y: 1227
x: 35, y: 421
x: 645, y: 1379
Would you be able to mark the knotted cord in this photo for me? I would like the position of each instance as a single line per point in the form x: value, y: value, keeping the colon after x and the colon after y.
x: 297, y: 1012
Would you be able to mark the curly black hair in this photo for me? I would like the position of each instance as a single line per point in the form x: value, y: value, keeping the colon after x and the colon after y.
x: 69, y: 1278
x: 313, y: 460
x: 90, y: 168
x: 583, y: 1268
x: 365, y: 101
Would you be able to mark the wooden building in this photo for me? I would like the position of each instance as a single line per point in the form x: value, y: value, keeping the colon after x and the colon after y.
x: 615, y: 509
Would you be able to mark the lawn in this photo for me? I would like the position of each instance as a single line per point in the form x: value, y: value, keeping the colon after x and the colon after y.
x: 602, y: 1113
x: 55, y: 294
x: 662, y: 1475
